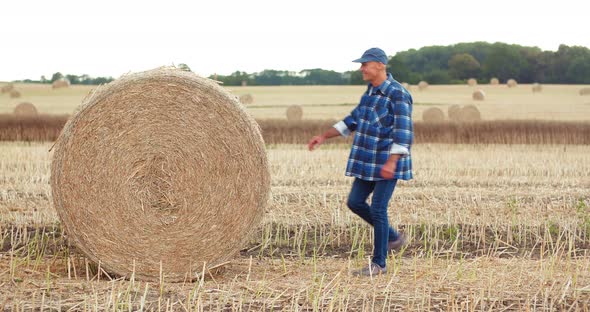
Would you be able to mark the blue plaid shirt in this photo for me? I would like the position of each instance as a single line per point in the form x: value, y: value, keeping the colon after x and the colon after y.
x: 383, y: 125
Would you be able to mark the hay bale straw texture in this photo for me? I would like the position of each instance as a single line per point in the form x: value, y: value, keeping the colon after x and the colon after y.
x: 537, y: 88
x: 25, y: 109
x: 7, y: 88
x: 60, y: 83
x: 511, y: 83
x: 246, y: 99
x: 585, y: 91
x: 470, y: 113
x: 160, y: 168
x: 422, y: 85
x: 433, y: 114
x: 494, y: 81
x: 472, y: 82
x: 294, y: 113
x: 478, y: 95
x: 15, y: 94
x: 454, y: 112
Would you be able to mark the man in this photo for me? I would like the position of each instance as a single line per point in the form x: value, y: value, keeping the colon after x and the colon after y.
x: 380, y: 153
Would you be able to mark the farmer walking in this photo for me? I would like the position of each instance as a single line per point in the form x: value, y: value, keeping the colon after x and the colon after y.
x: 380, y: 153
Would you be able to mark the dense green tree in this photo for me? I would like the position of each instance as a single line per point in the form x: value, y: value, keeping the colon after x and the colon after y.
x: 463, y: 66
x: 56, y: 76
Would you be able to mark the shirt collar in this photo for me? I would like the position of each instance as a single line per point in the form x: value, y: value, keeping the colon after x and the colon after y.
x: 384, y: 85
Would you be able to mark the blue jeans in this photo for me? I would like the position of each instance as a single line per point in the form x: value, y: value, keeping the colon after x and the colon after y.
x: 376, y: 213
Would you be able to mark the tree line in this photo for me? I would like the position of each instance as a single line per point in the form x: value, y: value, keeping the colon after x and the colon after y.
x: 74, y: 79
x: 452, y: 64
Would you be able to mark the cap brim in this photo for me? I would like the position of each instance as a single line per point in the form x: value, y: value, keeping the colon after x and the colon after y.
x: 361, y: 60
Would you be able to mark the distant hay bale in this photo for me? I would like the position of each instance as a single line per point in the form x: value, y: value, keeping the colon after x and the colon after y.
x: 585, y: 91
x: 246, y: 99
x: 537, y: 88
x: 470, y: 113
x: 60, y: 83
x: 472, y: 82
x: 160, y: 171
x: 422, y: 85
x: 294, y: 113
x: 494, y: 81
x: 244, y: 83
x: 15, y: 94
x: 433, y: 114
x: 454, y: 112
x: 25, y: 109
x: 7, y: 88
x: 478, y: 95
x: 406, y: 85
x: 511, y: 83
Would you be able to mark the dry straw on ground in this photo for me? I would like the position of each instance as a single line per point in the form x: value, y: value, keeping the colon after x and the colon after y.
x: 294, y: 113
x: 454, y: 112
x: 511, y: 83
x: 25, y: 109
x: 470, y: 113
x: 15, y: 94
x: 537, y: 88
x: 433, y: 114
x: 478, y: 95
x: 422, y: 85
x: 7, y: 88
x: 160, y: 172
x: 585, y: 91
x: 494, y: 81
x: 60, y: 83
x: 246, y: 99
x: 472, y: 82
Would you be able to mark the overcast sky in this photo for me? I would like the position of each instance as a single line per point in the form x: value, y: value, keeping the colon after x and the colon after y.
x: 110, y: 38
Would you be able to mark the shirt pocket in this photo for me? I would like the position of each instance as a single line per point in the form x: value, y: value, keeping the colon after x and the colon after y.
x: 381, y: 116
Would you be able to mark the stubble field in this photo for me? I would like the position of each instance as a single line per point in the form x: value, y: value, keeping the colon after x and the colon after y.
x: 491, y: 227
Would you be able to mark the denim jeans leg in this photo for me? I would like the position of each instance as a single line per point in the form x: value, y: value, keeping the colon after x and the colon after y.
x: 381, y: 195
x: 357, y: 202
x: 357, y: 199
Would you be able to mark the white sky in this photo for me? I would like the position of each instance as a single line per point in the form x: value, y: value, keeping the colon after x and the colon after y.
x: 110, y: 38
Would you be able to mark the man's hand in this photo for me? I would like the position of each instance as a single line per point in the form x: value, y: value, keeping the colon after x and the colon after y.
x: 316, y: 141
x: 388, y: 169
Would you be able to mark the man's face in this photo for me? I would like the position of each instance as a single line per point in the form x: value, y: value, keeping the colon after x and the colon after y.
x: 371, y: 70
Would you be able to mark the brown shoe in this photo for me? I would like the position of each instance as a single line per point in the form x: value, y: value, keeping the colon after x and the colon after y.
x: 371, y: 270
x: 397, y: 244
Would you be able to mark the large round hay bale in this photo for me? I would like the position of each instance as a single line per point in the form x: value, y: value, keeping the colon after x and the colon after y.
x: 472, y: 82
x: 246, y: 99
x: 470, y: 113
x: 15, y: 94
x: 478, y: 95
x: 25, y: 109
x: 422, y: 85
x: 406, y: 85
x: 454, y: 112
x: 433, y: 114
x: 160, y: 170
x: 585, y: 91
x: 511, y: 83
x: 294, y: 113
x: 537, y: 88
x: 7, y: 88
x: 494, y: 81
x: 60, y: 83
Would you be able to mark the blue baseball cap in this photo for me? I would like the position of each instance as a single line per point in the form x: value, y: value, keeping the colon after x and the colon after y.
x: 373, y: 55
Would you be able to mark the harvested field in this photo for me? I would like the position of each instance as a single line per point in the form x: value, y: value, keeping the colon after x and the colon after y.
x: 491, y: 227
